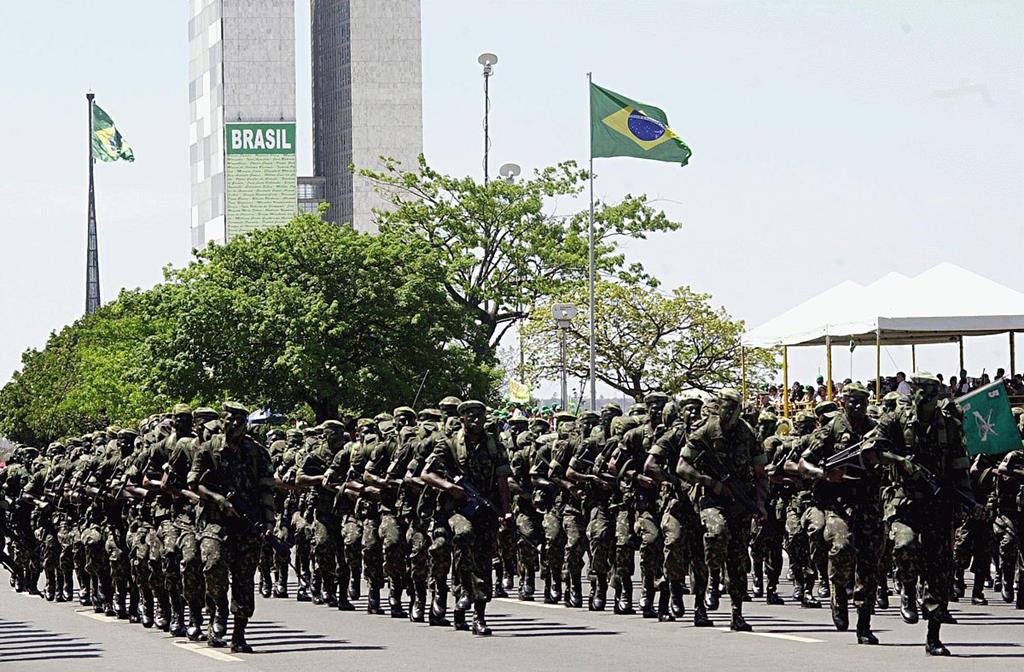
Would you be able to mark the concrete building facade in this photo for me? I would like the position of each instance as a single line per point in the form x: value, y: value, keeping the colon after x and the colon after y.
x: 241, y: 72
x: 367, y: 97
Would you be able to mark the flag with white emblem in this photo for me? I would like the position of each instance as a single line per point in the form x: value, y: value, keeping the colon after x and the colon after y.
x: 989, y: 427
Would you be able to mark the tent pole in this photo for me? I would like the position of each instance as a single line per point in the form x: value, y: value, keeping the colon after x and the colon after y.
x: 743, y: 374
x: 878, y: 364
x: 913, y: 357
x: 828, y: 367
x: 1013, y: 355
x: 960, y: 341
x: 785, y: 381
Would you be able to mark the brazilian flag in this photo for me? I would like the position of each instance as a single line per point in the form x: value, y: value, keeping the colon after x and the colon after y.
x: 623, y: 127
x: 107, y: 143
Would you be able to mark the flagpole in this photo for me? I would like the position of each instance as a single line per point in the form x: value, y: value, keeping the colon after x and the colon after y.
x: 593, y: 367
x: 92, y: 253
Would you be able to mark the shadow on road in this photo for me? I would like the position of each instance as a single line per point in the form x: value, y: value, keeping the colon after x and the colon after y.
x: 22, y: 643
x: 268, y: 637
x: 517, y: 626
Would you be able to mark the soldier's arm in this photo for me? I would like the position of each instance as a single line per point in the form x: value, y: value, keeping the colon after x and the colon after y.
x: 436, y: 469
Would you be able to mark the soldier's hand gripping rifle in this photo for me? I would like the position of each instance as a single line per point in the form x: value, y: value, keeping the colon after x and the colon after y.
x: 709, y: 464
x: 476, y: 501
x: 854, y: 455
x: 938, y: 487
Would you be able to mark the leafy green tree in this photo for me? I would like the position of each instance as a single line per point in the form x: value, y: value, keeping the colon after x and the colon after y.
x: 316, y: 314
x: 646, y: 340
x: 501, y: 247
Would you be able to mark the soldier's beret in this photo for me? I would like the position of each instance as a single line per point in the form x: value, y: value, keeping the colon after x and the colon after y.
x: 182, y: 409
x: 235, y: 408
x: 471, y: 405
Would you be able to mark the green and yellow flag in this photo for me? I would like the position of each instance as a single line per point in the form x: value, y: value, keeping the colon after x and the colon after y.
x: 623, y: 127
x: 989, y: 427
x: 107, y: 143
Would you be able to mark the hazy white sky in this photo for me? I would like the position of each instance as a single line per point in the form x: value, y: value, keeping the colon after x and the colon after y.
x: 832, y: 140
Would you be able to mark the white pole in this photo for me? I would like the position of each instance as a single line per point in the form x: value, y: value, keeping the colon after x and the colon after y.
x: 593, y: 357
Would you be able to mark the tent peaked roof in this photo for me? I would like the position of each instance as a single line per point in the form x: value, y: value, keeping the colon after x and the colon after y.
x: 936, y: 306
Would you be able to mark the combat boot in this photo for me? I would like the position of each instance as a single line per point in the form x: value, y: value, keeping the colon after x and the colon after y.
x: 1007, y: 589
x: 959, y: 587
x: 459, y: 619
x: 265, y: 582
x: 479, y: 621
x: 417, y: 614
x: 824, y: 592
x: 121, y: 607
x: 590, y: 595
x: 840, y: 610
x: 354, y: 587
x: 302, y: 594
x: 908, y: 605
x: 624, y: 603
x: 700, y: 616
x: 499, y: 579
x: 134, y: 615
x: 864, y: 634
x: 49, y: 592
x: 526, y: 587
x: 395, y: 609
x: 738, y: 624
x: 714, y: 597
x: 798, y: 592
x: 548, y: 598
x: 647, y: 608
x: 576, y: 591
x: 556, y: 588
x: 238, y: 643
x: 280, y: 588
x: 212, y: 638
x: 163, y: 615
x: 933, y: 646
x: 601, y: 595
x: 510, y: 569
x: 177, y: 616
x: 438, y: 607
x: 772, y: 596
x: 664, y: 607
x: 882, y: 596
x: 220, y: 623
x: 758, y: 582
x: 147, y: 611
x: 676, y: 592
x: 373, y: 601
x: 195, y: 625
x: 58, y: 589
x: 978, y: 592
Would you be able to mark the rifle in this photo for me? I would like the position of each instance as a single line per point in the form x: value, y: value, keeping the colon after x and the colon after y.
x: 476, y: 501
x: 713, y: 468
x: 937, y: 487
x: 852, y: 455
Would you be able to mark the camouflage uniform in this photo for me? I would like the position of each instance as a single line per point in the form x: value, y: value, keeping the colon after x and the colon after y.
x: 1009, y: 525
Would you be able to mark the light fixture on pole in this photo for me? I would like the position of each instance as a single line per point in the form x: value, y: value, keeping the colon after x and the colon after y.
x: 487, y: 60
x: 509, y: 171
x: 563, y: 314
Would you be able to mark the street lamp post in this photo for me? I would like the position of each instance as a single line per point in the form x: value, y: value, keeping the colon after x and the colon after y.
x: 563, y: 314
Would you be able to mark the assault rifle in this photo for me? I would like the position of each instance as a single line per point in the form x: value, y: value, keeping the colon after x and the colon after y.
x: 710, y: 465
x: 938, y: 487
x: 475, y: 502
x: 853, y: 455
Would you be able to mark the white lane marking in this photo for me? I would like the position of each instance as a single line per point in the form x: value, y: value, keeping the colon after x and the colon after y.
x: 512, y: 600
x: 204, y: 650
x: 89, y: 613
x: 778, y: 635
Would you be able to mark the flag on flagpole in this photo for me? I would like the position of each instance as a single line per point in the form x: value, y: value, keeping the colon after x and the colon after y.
x: 989, y: 427
x: 107, y: 142
x: 518, y: 392
x: 620, y: 126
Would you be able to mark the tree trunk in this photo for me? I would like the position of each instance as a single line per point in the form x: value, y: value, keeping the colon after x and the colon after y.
x: 324, y: 410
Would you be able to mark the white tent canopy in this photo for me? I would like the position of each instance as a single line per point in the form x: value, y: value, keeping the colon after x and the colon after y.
x: 940, y: 305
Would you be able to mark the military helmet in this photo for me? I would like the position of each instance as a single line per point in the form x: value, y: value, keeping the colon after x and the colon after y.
x: 611, y: 409
x: 404, y: 411
x: 638, y: 409
x: 730, y: 394
x: 235, y: 408
x: 449, y: 402
x: 204, y: 413
x: 851, y: 389
x: 655, y: 397
x: 428, y: 414
x: 182, y: 409
x: 826, y: 408
x: 471, y: 405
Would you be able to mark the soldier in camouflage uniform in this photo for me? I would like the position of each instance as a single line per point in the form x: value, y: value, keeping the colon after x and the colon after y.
x: 232, y: 474
x: 924, y: 435
x: 529, y: 520
x: 287, y: 501
x: 972, y: 543
x: 852, y: 507
x: 726, y: 447
x: 477, y: 457
x: 766, y: 537
x: 435, y: 516
x: 1009, y: 525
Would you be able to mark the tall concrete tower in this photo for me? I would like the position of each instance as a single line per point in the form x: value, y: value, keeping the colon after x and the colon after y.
x: 367, y: 97
x: 242, y: 116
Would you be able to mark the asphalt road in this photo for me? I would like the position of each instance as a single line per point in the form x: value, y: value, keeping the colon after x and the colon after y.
x: 287, y: 635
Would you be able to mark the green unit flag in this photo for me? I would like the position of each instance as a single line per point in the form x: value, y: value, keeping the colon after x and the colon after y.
x: 107, y: 143
x: 623, y: 127
x: 989, y: 427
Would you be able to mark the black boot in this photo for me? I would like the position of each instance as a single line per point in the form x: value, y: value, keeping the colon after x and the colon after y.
x: 195, y: 625
x: 882, y: 598
x: 758, y: 582
x: 908, y: 605
x: 163, y: 615
x: 772, y: 596
x: 548, y: 596
x: 738, y: 624
x: 959, y: 587
x: 978, y: 592
x: 624, y: 601
x: 177, y: 616
x: 212, y: 638
x: 676, y: 593
x: 840, y: 610
x: 373, y: 601
x: 147, y: 610
x: 556, y: 588
x: 280, y: 588
x: 59, y: 591
x: 220, y: 623
x: 499, y: 579
x: 664, y: 606
x: 134, y: 615
x: 864, y: 634
x: 459, y: 619
x: 417, y: 614
x: 933, y: 646
x: 714, y: 596
x: 601, y: 595
x: 798, y: 592
x: 479, y: 621
x: 1007, y: 590
x: 700, y: 615
x: 395, y: 600
x: 121, y: 606
x: 526, y: 587
x: 354, y: 587
x: 647, y: 608
x: 438, y: 607
x: 50, y: 591
x: 576, y: 591
x: 238, y: 643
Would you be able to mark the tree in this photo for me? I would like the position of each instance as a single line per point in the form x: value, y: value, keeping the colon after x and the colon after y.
x: 497, y: 246
x: 316, y: 314
x: 646, y: 340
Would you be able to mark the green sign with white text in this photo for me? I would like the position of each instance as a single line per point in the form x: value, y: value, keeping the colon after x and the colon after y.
x: 259, y: 176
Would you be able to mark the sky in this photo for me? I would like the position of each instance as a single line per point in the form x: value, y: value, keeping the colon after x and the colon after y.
x: 831, y: 141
